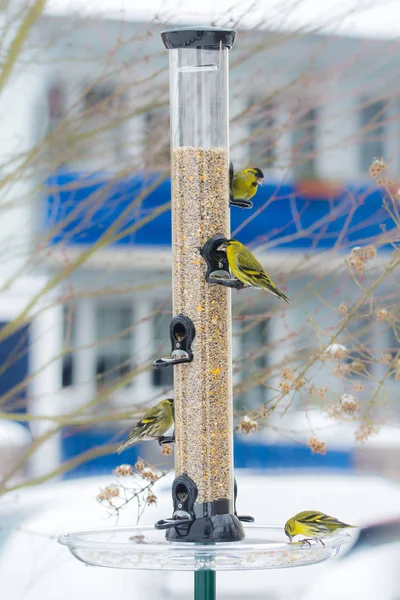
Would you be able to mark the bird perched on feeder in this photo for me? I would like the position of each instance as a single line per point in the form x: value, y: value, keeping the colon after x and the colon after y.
x: 155, y: 423
x: 244, y: 184
x: 246, y: 268
x: 312, y: 524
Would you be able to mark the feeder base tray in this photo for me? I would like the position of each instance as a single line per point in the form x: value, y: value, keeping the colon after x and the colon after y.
x: 146, y: 548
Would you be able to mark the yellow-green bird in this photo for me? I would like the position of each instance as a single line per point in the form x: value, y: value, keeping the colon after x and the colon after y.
x: 155, y: 423
x: 246, y: 268
x: 245, y: 183
x: 312, y: 524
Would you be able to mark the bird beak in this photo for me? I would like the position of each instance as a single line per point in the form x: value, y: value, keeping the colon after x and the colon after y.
x: 260, y: 181
x: 222, y: 247
x: 290, y: 537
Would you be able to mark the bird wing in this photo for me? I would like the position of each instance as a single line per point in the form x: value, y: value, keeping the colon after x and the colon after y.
x: 322, y: 519
x: 255, y: 273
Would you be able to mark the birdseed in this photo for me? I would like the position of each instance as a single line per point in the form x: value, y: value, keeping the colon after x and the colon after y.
x: 203, y: 388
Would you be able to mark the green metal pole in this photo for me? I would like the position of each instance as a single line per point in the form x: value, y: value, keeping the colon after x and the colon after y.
x: 205, y: 585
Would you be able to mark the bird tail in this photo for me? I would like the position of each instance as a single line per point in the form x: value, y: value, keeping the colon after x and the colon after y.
x: 267, y: 284
x: 131, y: 439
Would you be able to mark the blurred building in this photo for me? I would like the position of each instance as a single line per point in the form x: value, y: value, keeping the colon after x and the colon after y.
x: 311, y: 111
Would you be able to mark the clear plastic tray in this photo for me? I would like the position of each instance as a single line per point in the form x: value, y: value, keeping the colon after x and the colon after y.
x: 146, y: 548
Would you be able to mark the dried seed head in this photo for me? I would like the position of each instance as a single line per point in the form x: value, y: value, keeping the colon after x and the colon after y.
x: 285, y: 386
x: 124, y: 470
x: 377, y: 167
x: 364, y: 432
x: 333, y: 411
x: 322, y: 392
x: 299, y: 383
x: 166, y: 450
x: 317, y: 446
x: 107, y: 493
x: 370, y: 252
x: 386, y: 359
x: 341, y: 370
x: 358, y: 387
x: 248, y: 425
x: 149, y: 474
x: 343, y: 308
x: 151, y: 499
x: 287, y: 373
x: 140, y: 464
x: 348, y: 404
x: 382, y: 315
x: 336, y: 351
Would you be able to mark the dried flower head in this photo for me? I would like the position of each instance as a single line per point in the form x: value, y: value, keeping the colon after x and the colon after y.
x: 285, y: 386
x: 386, y: 359
x: 166, y: 449
x: 382, y: 315
x: 341, y: 370
x: 377, y: 167
x: 333, y: 411
x: 107, y: 493
x: 287, y: 373
x: 317, y: 446
x: 299, y: 383
x: 336, y: 351
x: 124, y: 470
x: 348, y: 404
x: 358, y: 387
x: 370, y: 252
x: 140, y: 464
x: 248, y: 425
x: 343, y: 308
x: 149, y: 474
x: 322, y: 392
x: 364, y: 431
x: 151, y: 499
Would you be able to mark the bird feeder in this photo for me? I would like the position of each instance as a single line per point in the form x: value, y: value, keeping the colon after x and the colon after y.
x: 203, y: 491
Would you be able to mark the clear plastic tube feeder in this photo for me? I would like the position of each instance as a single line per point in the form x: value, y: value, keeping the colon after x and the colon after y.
x: 203, y: 492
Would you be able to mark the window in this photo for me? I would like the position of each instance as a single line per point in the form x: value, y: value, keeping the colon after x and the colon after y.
x: 252, y: 360
x: 372, y: 116
x: 262, y: 145
x: 113, y: 343
x: 162, y: 378
x: 304, y: 145
x: 156, y: 139
x: 69, y: 341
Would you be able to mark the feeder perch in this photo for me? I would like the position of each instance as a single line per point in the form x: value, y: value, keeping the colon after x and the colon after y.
x: 181, y: 333
x: 240, y: 202
x: 217, y: 264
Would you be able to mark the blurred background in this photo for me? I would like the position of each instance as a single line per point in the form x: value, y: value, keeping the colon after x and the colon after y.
x: 85, y: 279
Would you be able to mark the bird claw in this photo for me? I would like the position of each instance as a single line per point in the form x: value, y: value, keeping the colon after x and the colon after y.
x: 166, y: 439
x: 309, y: 540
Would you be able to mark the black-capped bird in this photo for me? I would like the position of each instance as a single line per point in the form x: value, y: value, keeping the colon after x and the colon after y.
x: 245, y: 183
x: 155, y: 423
x: 246, y: 268
x: 313, y: 525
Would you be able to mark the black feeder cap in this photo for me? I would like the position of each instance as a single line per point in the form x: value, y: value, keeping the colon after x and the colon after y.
x: 209, y: 38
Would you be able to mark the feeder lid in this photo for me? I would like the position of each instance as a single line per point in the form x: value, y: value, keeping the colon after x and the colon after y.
x: 198, y: 37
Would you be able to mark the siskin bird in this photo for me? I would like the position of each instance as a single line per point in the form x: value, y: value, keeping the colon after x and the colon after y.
x: 245, y: 183
x: 247, y: 269
x: 312, y: 524
x: 154, y: 424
